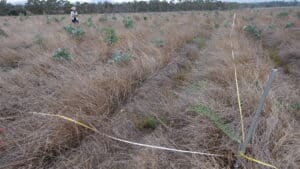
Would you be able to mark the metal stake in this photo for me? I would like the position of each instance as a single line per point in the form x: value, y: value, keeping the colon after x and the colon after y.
x: 254, y: 123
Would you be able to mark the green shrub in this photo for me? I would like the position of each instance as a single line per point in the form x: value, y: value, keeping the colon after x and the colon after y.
x: 295, y: 106
x: 149, y: 122
x: 158, y: 42
x: 89, y: 23
x: 283, y: 15
x: 110, y: 36
x: 103, y: 18
x: 114, y: 17
x: 253, y: 30
x: 5, y: 23
x: 22, y: 17
x: 226, y: 25
x: 3, y: 33
x: 201, y: 42
x: 145, y: 18
x: 289, y: 25
x: 128, y: 22
x: 39, y: 40
x: 120, y: 57
x: 272, y: 26
x: 62, y: 54
x: 217, y: 25
x: 75, y: 32
x: 218, y: 122
x: 49, y: 19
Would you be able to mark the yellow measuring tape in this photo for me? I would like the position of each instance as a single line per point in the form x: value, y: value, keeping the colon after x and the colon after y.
x: 239, y: 102
x: 147, y: 145
x: 257, y: 161
x: 236, y: 83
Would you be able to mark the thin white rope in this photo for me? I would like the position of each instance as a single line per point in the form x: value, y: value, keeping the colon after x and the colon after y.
x: 123, y: 140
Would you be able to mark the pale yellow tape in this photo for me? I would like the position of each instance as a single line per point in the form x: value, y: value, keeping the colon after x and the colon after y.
x: 256, y: 161
x: 147, y: 145
x: 126, y: 141
x: 236, y: 82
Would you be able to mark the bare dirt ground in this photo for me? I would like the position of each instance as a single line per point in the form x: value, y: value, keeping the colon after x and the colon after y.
x: 149, y: 99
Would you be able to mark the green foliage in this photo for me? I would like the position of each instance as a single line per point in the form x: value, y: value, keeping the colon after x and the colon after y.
x: 218, y: 122
x: 3, y: 33
x: 39, y: 40
x: 110, y: 36
x: 75, y: 32
x: 217, y: 25
x: 199, y: 85
x: 49, y: 19
x: 22, y: 17
x: 295, y: 106
x: 62, y: 54
x: 145, y: 18
x: 120, y: 57
x: 128, y: 22
x: 253, y: 30
x: 62, y: 18
x: 149, y: 122
x: 114, y: 18
x: 201, y: 42
x: 289, y: 25
x: 272, y: 26
x: 158, y: 42
x: 103, y: 18
x: 89, y: 23
x: 282, y: 15
x: 5, y: 23
x: 226, y: 25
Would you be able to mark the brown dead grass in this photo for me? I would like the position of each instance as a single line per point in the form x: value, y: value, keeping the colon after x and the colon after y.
x: 114, y: 98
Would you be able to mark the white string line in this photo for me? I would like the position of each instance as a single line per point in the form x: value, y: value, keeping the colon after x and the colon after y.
x: 161, y: 148
x: 232, y: 26
x: 127, y: 141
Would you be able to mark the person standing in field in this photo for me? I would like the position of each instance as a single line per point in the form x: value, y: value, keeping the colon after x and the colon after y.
x: 74, y: 15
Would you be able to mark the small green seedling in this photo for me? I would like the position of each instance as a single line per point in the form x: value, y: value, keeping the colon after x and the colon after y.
x: 149, y: 122
x: 61, y: 54
x: 218, y: 122
x: 75, y: 32
x: 120, y: 57
x: 110, y: 36
x: 128, y: 22
x: 253, y: 30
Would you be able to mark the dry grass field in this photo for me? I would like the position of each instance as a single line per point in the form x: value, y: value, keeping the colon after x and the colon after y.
x: 139, y: 77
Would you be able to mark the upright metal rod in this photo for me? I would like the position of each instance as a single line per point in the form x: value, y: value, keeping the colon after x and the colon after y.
x: 255, y: 120
x: 258, y: 110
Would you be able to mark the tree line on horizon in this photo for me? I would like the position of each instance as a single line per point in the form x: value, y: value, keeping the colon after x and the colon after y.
x: 39, y: 7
